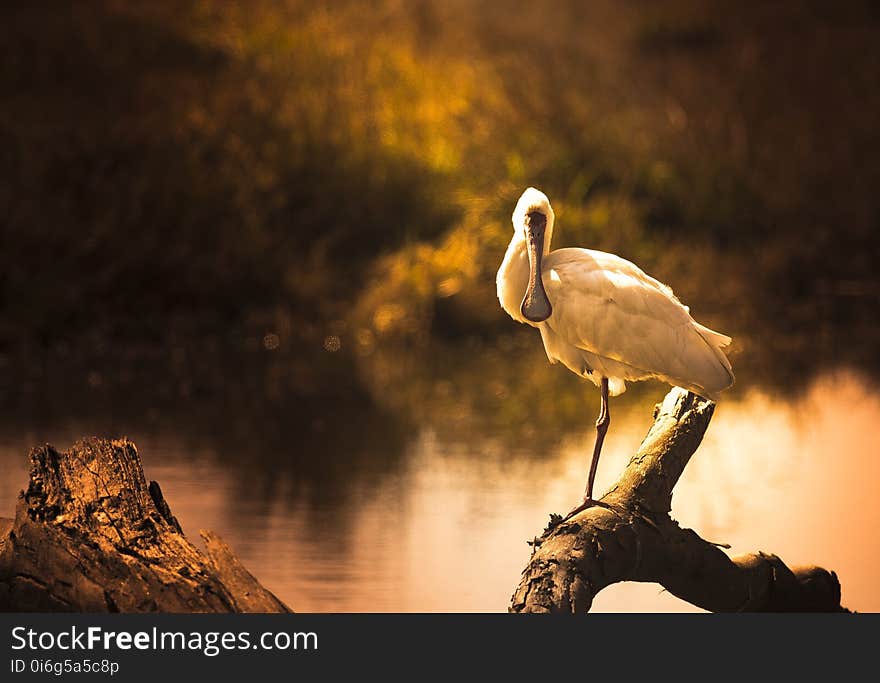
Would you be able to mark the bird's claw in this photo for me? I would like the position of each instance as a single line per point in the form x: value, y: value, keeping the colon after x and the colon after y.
x: 587, y: 503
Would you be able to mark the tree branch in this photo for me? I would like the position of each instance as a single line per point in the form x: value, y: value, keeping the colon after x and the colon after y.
x: 90, y: 535
x: 630, y: 536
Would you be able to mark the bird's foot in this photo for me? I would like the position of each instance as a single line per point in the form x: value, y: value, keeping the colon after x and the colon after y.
x: 587, y: 503
x: 556, y: 520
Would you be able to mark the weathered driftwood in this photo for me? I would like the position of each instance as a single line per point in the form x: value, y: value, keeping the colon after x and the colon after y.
x: 630, y: 536
x: 90, y: 535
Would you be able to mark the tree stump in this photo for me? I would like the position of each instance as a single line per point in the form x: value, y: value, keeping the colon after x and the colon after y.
x: 90, y: 535
x: 630, y: 536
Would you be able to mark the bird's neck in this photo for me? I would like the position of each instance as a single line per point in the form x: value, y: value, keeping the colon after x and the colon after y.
x: 513, y: 278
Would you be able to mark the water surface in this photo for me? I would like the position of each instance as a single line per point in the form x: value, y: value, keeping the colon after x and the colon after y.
x: 338, y: 504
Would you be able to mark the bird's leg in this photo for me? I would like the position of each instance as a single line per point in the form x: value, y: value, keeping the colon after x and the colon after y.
x: 602, y: 423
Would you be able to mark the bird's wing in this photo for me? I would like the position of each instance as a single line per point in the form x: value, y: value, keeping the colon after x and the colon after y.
x: 608, y: 306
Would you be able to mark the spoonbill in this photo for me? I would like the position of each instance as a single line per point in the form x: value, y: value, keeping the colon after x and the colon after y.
x: 604, y: 318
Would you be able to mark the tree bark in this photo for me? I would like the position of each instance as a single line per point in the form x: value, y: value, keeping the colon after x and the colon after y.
x: 630, y: 536
x: 90, y: 535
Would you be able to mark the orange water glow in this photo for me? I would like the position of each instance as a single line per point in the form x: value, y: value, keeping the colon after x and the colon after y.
x: 447, y: 530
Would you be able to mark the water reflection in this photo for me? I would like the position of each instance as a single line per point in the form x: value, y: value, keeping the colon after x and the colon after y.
x: 389, y: 500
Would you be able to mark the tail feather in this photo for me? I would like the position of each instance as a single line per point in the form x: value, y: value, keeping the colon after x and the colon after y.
x: 723, y: 375
x: 714, y: 338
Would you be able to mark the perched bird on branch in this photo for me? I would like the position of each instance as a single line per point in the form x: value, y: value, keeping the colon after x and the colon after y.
x: 604, y: 318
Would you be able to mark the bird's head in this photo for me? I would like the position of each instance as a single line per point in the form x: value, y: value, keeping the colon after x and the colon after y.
x: 532, y: 211
x: 533, y: 221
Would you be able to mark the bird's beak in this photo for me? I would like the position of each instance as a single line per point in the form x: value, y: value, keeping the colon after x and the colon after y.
x: 535, y: 304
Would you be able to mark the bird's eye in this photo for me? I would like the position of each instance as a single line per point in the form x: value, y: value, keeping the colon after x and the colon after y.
x: 536, y: 219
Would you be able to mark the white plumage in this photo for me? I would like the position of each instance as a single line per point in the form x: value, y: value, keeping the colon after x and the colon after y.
x: 604, y: 318
x: 609, y: 318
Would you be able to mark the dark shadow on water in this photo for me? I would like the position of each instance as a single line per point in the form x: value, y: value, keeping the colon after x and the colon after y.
x: 288, y: 426
x: 331, y: 472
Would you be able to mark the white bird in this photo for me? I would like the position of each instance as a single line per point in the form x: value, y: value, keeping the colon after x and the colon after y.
x: 604, y: 318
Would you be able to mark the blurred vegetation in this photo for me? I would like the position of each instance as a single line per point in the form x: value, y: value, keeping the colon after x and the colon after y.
x: 348, y: 170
